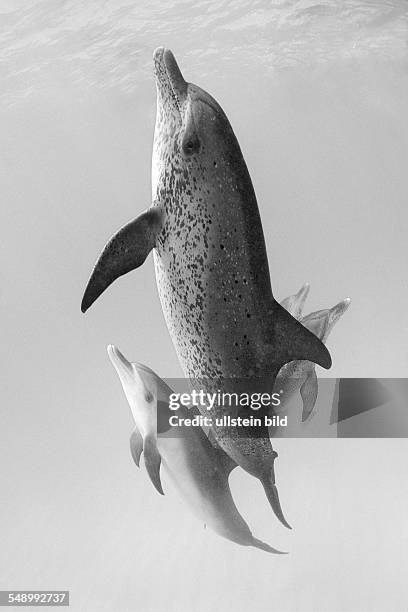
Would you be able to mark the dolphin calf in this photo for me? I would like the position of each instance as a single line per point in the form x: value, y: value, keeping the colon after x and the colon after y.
x: 210, y: 260
x: 199, y: 471
x: 301, y: 375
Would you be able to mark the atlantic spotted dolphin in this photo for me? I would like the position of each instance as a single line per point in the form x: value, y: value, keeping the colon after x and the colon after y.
x: 199, y: 471
x: 210, y: 261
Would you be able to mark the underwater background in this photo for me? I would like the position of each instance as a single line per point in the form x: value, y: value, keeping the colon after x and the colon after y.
x: 317, y: 94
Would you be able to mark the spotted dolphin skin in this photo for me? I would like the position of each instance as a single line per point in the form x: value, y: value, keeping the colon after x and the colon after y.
x: 210, y: 261
x: 199, y: 471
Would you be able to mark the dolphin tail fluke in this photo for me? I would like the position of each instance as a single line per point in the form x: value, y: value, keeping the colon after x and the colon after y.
x: 321, y: 322
x: 337, y: 311
x: 136, y: 445
x: 294, y: 303
x: 308, y: 392
x: 273, y: 497
x: 292, y: 341
x: 263, y: 546
x: 125, y: 251
x: 152, y: 460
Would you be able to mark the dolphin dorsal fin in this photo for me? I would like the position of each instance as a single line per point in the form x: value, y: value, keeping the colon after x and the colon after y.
x: 125, y: 251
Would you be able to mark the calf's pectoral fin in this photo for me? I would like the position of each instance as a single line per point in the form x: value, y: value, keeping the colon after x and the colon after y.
x: 292, y: 341
x: 125, y: 251
x: 152, y: 460
x: 136, y: 445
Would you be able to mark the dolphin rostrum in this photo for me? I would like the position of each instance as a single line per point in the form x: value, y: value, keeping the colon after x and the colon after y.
x: 199, y: 471
x: 210, y: 260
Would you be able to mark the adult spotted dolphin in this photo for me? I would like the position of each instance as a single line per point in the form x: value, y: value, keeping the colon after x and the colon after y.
x: 199, y: 471
x: 210, y: 261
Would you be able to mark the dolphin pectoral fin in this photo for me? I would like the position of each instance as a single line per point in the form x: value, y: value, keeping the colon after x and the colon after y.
x: 152, y: 460
x: 136, y: 446
x: 308, y: 392
x: 125, y: 251
x: 263, y: 546
x: 292, y: 341
x: 273, y: 498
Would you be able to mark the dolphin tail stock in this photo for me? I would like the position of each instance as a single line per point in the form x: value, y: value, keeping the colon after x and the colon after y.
x: 125, y: 251
x: 293, y: 341
x: 263, y: 546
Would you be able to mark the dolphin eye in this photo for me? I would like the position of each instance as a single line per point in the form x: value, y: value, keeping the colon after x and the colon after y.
x: 190, y: 145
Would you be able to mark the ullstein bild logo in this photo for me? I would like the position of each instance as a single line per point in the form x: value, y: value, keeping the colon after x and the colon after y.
x: 228, y: 421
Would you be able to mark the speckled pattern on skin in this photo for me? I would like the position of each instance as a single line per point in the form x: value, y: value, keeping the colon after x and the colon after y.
x: 210, y: 258
x: 214, y: 296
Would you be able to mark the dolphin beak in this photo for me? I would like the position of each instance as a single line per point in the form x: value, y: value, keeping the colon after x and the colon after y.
x: 128, y: 374
x: 119, y: 361
x: 165, y: 58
